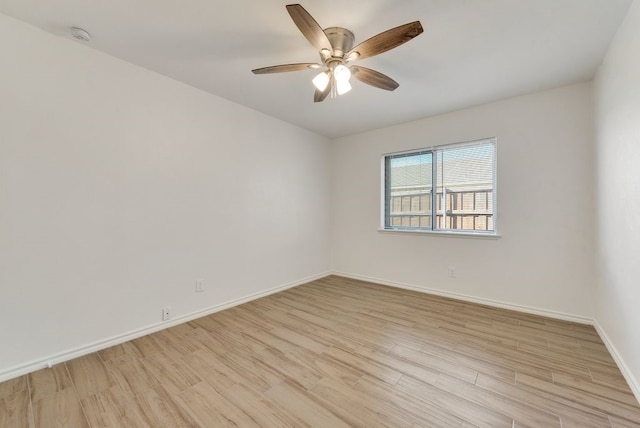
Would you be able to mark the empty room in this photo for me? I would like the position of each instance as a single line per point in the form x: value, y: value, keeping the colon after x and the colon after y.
x: 356, y: 213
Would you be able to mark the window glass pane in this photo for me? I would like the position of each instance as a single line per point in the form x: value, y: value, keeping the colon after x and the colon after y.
x: 464, y: 198
x: 409, y: 191
x: 465, y: 187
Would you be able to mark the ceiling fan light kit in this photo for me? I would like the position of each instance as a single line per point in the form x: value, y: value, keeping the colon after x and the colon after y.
x: 335, y: 46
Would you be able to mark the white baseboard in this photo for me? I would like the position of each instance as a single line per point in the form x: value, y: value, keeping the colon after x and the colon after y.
x: 115, y: 340
x: 626, y: 372
x: 473, y: 299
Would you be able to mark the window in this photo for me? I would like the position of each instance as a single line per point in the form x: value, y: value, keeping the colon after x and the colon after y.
x: 464, y: 178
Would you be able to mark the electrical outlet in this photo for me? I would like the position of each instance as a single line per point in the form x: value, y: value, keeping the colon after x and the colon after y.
x: 199, y: 285
x: 452, y: 272
x: 166, y: 313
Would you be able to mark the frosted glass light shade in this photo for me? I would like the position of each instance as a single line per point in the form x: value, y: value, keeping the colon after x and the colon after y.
x: 321, y: 81
x: 342, y: 74
x: 342, y: 86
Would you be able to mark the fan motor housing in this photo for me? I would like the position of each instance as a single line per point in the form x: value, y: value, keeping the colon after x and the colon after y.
x: 341, y: 40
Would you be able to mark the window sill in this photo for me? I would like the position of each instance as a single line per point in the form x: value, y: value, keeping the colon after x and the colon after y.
x: 443, y: 233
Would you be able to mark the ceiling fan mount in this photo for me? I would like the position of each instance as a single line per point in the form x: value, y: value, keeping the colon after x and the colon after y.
x: 335, y: 46
x: 341, y: 41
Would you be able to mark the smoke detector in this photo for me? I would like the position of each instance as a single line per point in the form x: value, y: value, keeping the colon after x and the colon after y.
x: 80, y: 34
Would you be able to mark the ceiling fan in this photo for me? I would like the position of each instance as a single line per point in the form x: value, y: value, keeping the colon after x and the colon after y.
x: 335, y: 45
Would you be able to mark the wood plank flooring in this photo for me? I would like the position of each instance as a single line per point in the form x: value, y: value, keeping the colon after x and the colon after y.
x: 333, y: 353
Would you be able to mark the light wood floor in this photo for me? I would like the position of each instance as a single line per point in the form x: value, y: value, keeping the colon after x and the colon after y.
x: 338, y: 352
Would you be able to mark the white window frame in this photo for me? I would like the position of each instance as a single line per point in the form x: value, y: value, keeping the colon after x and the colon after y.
x: 434, y: 150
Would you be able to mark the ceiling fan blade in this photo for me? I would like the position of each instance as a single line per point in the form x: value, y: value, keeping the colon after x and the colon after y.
x: 374, y: 78
x: 385, y: 41
x: 286, y: 67
x: 309, y: 27
x: 319, y: 96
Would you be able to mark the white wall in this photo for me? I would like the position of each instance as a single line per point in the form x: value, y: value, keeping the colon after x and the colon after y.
x: 618, y: 195
x: 543, y: 259
x: 120, y: 187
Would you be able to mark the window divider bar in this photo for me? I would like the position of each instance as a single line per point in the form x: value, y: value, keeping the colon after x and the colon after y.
x: 434, y: 191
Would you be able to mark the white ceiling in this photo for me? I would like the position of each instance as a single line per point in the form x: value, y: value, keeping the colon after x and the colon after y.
x: 471, y: 52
